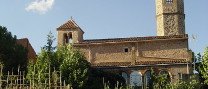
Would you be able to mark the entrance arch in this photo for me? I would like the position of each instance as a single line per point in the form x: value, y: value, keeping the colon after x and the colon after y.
x: 136, y: 78
x: 147, y: 78
x: 125, y: 76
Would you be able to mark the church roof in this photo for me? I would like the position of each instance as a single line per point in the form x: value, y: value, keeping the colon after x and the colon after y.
x: 132, y: 39
x: 71, y: 24
x: 25, y: 43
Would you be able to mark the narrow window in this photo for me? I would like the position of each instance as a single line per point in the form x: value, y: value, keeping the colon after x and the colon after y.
x: 169, y: 1
x: 70, y: 37
x: 126, y: 50
x: 66, y: 40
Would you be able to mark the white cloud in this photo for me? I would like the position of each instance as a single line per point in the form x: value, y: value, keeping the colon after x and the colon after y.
x: 40, y: 6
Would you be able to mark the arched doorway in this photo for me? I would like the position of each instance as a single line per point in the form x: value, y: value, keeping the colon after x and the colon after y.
x: 136, y: 78
x: 125, y: 76
x: 147, y: 79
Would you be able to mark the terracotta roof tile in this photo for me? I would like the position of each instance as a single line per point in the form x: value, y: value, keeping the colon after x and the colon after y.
x: 112, y: 64
x: 68, y: 25
x: 25, y: 43
x: 71, y: 24
x: 139, y: 63
x: 161, y: 62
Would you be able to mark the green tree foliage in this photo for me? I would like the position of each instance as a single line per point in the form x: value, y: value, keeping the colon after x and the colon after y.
x: 162, y: 81
x: 74, y: 68
x: 50, y: 49
x: 50, y: 39
x: 198, y: 66
x: 158, y: 81
x: 204, y: 66
x: 72, y: 64
x: 38, y: 72
x: 198, y: 62
x: 98, y: 79
x: 12, y: 55
x: 191, y: 83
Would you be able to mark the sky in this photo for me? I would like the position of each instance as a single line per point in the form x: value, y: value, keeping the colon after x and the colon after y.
x: 34, y: 19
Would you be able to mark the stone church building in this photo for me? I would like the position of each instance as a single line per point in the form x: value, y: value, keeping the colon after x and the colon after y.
x: 133, y: 57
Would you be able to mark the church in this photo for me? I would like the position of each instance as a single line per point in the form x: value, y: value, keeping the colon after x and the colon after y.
x: 133, y: 57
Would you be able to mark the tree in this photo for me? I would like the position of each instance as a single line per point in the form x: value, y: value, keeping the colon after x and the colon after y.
x: 74, y: 68
x: 49, y: 48
x: 12, y: 55
x: 38, y: 72
x: 72, y: 64
x: 204, y: 66
x: 198, y: 62
x: 98, y: 79
x: 158, y: 81
x: 50, y: 39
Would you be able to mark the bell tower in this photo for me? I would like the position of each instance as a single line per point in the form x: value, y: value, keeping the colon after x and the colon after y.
x: 170, y: 17
x: 69, y: 32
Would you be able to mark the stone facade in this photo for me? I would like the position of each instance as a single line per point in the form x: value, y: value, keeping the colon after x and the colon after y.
x: 141, y: 51
x: 167, y: 53
x: 70, y: 32
x: 170, y: 17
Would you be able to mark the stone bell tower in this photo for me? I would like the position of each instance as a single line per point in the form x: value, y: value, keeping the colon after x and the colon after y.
x: 69, y: 32
x: 170, y: 17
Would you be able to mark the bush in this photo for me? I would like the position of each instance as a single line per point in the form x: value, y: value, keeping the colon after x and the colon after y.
x: 74, y: 68
x: 99, y: 79
x: 12, y: 55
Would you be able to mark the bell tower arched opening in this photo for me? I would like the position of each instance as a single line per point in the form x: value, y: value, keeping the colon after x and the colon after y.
x: 65, y: 39
x: 70, y: 37
x: 169, y: 1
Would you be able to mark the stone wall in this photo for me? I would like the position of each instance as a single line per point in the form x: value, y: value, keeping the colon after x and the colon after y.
x: 151, y: 51
x: 107, y: 52
x: 140, y: 51
x: 77, y: 35
x: 175, y: 49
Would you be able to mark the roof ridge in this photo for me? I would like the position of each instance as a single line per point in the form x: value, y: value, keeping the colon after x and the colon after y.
x: 159, y: 37
x: 69, y: 24
x: 74, y: 22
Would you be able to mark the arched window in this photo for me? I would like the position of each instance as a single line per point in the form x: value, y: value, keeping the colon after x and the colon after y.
x: 169, y: 1
x: 125, y: 76
x: 70, y: 37
x: 136, y: 79
x: 66, y: 40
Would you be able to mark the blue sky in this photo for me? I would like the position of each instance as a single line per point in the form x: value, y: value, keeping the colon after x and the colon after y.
x: 33, y: 19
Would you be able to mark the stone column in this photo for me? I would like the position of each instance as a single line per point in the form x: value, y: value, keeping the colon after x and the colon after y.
x: 133, y: 56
